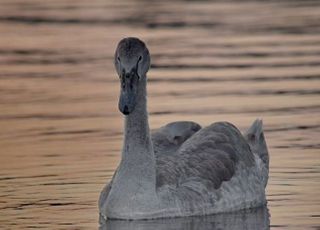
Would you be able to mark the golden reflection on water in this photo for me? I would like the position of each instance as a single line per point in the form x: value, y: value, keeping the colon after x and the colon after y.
x: 61, y: 132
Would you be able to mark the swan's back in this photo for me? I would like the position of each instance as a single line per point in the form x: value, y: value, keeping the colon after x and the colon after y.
x: 169, y: 138
x: 209, y: 157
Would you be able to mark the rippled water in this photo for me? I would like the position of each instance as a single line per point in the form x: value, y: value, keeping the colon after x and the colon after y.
x: 61, y: 132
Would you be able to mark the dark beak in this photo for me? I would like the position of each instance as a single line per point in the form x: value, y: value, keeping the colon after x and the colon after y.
x: 128, y: 92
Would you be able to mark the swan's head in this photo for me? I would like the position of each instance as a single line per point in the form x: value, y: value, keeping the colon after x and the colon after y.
x: 132, y: 62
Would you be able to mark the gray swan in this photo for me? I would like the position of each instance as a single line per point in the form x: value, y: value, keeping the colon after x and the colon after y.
x: 180, y: 169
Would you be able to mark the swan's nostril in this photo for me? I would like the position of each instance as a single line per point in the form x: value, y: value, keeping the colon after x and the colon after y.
x: 125, y: 110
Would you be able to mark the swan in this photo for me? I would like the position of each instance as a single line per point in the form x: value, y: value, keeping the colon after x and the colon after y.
x: 180, y: 169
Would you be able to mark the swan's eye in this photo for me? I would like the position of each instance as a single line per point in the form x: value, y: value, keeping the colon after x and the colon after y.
x: 118, y: 59
x: 140, y: 58
x: 261, y: 137
x: 252, y: 137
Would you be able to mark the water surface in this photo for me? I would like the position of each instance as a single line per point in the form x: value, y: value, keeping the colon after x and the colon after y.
x: 61, y: 131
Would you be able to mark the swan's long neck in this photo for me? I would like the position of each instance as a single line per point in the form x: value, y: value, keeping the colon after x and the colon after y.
x: 137, y: 170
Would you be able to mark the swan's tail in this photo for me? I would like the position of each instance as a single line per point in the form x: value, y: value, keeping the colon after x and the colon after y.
x: 255, y: 137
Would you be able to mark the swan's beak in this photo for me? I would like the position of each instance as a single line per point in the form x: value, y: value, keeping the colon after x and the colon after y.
x: 128, y: 93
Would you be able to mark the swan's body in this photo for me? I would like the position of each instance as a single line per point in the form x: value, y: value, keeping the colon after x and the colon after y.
x: 180, y: 169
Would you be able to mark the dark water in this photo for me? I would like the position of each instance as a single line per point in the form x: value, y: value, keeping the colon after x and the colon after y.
x: 61, y: 132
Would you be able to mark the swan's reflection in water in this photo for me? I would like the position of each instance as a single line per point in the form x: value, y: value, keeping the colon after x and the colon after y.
x: 245, y: 219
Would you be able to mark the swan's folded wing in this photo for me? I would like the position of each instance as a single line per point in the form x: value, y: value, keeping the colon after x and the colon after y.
x: 211, y: 156
x: 167, y: 139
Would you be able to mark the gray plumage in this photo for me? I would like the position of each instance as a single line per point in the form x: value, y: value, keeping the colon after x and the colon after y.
x: 210, y: 157
x: 180, y: 169
x: 168, y: 139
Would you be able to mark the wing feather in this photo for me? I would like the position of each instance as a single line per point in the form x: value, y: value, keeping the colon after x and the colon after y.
x: 168, y: 139
x: 210, y: 155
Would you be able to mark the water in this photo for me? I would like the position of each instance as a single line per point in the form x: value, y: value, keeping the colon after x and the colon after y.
x: 61, y: 131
